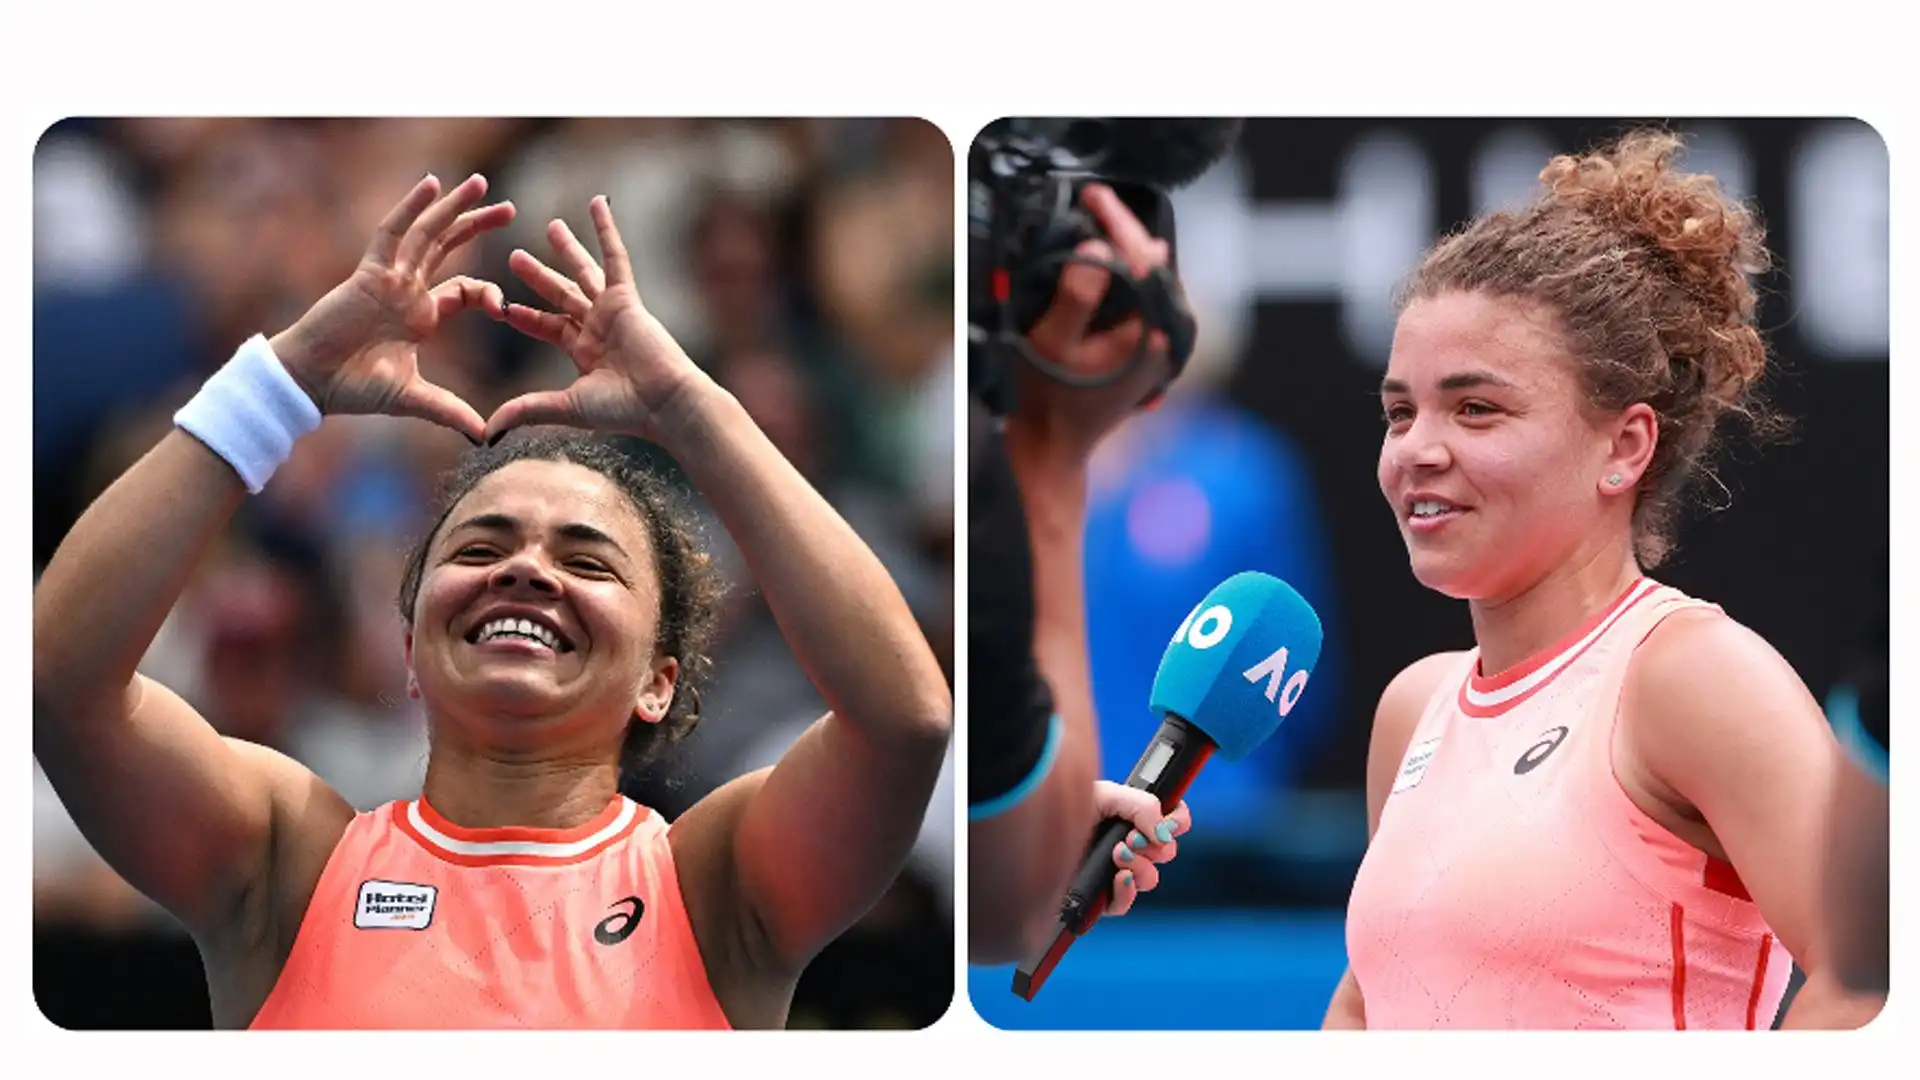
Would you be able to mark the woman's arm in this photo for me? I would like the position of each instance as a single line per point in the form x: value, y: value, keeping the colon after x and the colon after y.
x: 1716, y: 716
x: 186, y: 816
x: 116, y: 747
x: 797, y: 853
x: 823, y: 834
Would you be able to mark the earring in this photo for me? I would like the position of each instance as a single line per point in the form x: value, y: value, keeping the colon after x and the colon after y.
x: 1615, y: 480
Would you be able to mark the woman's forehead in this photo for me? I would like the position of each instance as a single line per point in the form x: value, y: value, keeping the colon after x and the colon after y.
x: 1442, y: 338
x: 547, y: 494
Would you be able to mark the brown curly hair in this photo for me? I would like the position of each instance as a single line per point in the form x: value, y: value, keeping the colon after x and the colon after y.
x: 690, y: 586
x: 1651, y: 274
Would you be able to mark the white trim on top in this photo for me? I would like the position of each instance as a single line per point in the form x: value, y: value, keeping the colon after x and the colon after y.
x: 628, y: 808
x: 1493, y: 699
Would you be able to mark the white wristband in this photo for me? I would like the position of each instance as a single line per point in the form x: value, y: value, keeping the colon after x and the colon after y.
x: 250, y: 413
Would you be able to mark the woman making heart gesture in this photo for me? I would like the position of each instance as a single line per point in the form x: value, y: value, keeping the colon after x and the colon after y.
x: 557, y: 616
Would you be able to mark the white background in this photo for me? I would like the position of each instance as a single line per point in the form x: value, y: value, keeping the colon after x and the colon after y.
x: 959, y: 65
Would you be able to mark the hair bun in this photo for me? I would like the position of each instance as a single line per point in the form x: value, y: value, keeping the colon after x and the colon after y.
x: 1710, y: 244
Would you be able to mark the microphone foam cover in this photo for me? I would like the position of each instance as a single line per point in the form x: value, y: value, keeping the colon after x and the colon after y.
x: 1238, y: 664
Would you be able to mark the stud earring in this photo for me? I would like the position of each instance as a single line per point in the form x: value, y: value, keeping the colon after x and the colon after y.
x: 1615, y: 480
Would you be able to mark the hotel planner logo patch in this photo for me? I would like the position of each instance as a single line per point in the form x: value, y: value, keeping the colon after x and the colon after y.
x: 1414, y: 765
x: 394, y: 905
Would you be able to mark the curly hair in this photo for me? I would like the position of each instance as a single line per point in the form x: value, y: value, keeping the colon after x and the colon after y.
x: 690, y: 586
x: 1651, y: 274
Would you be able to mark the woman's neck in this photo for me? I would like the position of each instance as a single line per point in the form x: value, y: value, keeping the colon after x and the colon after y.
x: 1511, y: 630
x: 478, y: 790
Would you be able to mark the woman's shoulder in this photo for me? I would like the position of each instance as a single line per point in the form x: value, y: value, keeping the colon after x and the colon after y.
x: 1702, y: 680
x: 1694, y: 644
x: 1408, y: 692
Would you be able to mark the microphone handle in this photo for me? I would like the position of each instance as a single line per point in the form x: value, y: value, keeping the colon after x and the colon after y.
x: 1165, y: 770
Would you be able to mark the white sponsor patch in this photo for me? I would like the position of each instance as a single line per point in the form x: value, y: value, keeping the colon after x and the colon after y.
x: 1414, y: 765
x: 394, y: 905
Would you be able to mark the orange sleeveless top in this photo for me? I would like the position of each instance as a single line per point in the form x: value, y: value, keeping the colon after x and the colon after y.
x: 419, y: 923
x: 1513, y: 884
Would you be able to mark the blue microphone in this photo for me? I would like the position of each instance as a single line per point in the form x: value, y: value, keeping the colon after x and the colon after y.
x: 1233, y: 671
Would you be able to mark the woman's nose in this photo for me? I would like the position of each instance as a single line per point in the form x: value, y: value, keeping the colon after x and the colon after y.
x: 524, y: 571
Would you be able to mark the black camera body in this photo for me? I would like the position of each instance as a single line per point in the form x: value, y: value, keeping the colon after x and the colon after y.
x: 1025, y: 221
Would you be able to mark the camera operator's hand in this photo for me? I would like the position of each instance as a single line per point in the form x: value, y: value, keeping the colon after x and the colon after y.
x: 1069, y: 421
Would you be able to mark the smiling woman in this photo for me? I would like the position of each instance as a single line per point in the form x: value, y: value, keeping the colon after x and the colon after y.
x: 1599, y: 815
x: 1602, y: 813
x: 616, y: 529
x: 558, y: 615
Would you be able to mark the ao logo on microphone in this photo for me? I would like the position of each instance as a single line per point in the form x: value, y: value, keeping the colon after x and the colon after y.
x: 1271, y: 669
x: 1205, y: 629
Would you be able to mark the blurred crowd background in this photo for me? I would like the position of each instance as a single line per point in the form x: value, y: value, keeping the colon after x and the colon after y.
x: 807, y: 264
x: 1263, y: 458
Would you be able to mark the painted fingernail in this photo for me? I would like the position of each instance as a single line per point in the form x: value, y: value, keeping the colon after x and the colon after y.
x: 1126, y: 854
x: 1163, y: 831
x: 1135, y: 840
x: 1126, y: 879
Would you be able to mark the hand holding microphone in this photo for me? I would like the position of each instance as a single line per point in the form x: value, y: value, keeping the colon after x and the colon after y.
x: 1234, y: 670
x: 1155, y: 839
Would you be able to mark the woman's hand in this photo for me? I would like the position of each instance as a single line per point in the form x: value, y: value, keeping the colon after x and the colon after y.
x: 630, y: 367
x: 357, y: 349
x: 1153, y: 841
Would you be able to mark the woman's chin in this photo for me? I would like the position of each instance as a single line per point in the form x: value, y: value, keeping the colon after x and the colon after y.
x: 1446, y: 574
x: 519, y: 694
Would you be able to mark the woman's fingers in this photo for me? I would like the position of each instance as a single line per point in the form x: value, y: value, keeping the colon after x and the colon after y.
x: 465, y: 228
x: 552, y: 285
x: 613, y: 252
x: 435, y: 220
x: 537, y: 408
x: 574, y: 259
x: 555, y: 330
x: 461, y: 293
x: 1124, y: 893
x: 426, y: 401
x: 393, y: 228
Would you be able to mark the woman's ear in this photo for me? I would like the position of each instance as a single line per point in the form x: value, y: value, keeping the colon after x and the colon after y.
x: 657, y: 695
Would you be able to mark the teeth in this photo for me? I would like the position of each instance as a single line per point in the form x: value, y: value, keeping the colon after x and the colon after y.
x: 525, y: 628
x: 1430, y: 507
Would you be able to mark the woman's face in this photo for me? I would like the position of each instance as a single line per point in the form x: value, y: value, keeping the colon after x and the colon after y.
x: 1490, y: 462
x: 539, y: 603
